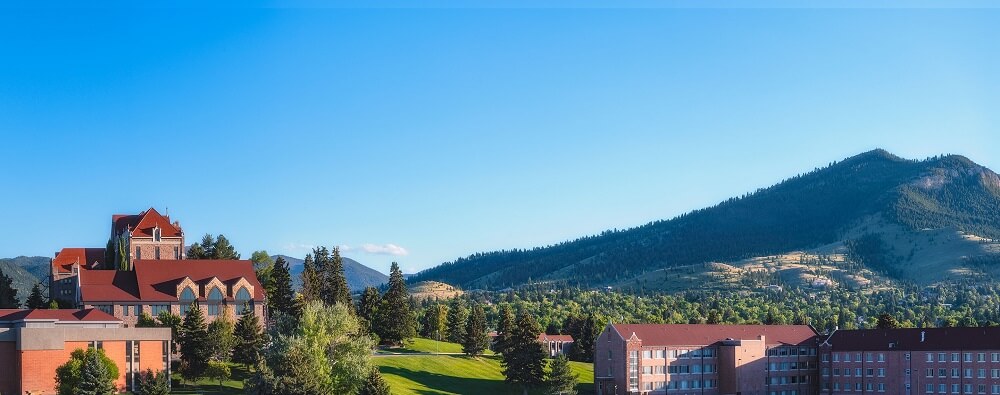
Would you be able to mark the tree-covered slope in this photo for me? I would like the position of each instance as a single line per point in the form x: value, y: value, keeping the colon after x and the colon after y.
x: 25, y: 272
x: 806, y: 211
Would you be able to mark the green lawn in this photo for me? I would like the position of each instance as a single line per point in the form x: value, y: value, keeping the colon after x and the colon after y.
x: 420, y: 345
x: 453, y: 374
x: 211, y: 387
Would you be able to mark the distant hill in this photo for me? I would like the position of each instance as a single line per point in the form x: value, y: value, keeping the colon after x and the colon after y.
x: 25, y: 272
x: 914, y: 220
x: 358, y: 276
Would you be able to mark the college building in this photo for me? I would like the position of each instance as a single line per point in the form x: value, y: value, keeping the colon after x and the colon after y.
x: 143, y: 270
x: 795, y: 360
x: 33, y: 343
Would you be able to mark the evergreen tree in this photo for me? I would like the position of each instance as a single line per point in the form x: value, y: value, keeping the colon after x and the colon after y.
x: 281, y: 297
x: 35, y: 299
x: 433, y: 325
x: 457, y: 315
x: 396, y: 322
x: 524, y: 362
x: 311, y: 283
x: 194, y: 341
x: 887, y: 321
x: 505, y: 329
x: 584, y: 333
x: 8, y: 295
x: 221, y: 249
x: 375, y: 384
x: 204, y: 250
x: 368, y: 308
x: 249, y: 339
x: 334, y: 287
x: 561, y: 380
x: 476, y: 339
x: 69, y: 374
x: 150, y: 383
x: 95, y: 379
x: 109, y: 254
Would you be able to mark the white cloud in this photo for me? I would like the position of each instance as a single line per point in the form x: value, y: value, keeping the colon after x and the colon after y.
x: 384, y: 249
x: 299, y: 247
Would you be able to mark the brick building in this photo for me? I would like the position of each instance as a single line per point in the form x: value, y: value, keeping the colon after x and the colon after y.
x: 556, y: 345
x: 706, y: 359
x: 33, y: 343
x: 147, y: 235
x: 144, y: 270
x: 911, y: 361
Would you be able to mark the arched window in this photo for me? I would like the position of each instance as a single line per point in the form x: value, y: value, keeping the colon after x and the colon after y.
x: 243, y: 301
x: 214, y: 300
x: 187, y: 297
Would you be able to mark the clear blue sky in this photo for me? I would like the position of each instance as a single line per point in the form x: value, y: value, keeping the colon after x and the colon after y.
x: 452, y: 131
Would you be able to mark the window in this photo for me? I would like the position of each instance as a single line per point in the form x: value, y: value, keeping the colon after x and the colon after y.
x: 633, y: 368
x: 857, y: 372
x: 881, y: 357
x: 995, y: 389
x: 954, y: 388
x: 930, y: 357
x: 836, y: 357
x: 981, y: 388
x: 968, y: 373
x: 869, y: 387
x: 930, y: 372
x: 881, y: 372
x: 836, y: 371
x: 881, y: 387
x: 929, y: 388
x: 107, y: 308
x: 177, y: 252
x: 156, y: 309
x: 825, y: 357
x: 967, y: 357
x: 942, y: 388
x: 954, y: 357
x: 868, y: 357
x: 967, y: 388
x: 981, y: 357
x: 187, y: 297
x: 658, y: 354
x: 138, y: 253
x: 126, y: 310
x: 995, y: 373
x: 244, y: 304
x: 215, y: 299
x: 981, y: 373
x: 942, y: 372
x: 156, y: 252
x: 995, y: 357
x: 954, y: 372
x: 647, y: 354
x: 942, y: 357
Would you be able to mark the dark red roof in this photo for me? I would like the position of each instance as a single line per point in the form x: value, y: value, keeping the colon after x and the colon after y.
x: 85, y: 257
x: 142, y: 225
x: 910, y: 339
x: 156, y: 280
x: 61, y: 315
x: 555, y: 338
x: 703, y: 334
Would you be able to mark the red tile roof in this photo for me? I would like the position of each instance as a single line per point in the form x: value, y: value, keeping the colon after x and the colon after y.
x: 89, y: 315
x: 86, y: 257
x: 702, y: 334
x: 142, y: 225
x: 910, y: 339
x: 156, y: 280
x: 555, y: 338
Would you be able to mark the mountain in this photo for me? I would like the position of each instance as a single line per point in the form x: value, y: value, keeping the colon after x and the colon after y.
x: 358, y: 276
x: 891, y: 217
x: 25, y: 272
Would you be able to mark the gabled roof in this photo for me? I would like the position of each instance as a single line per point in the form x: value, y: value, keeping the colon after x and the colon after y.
x: 85, y: 257
x: 156, y: 280
x: 555, y: 338
x: 85, y: 315
x: 142, y: 225
x: 934, y: 339
x: 704, y: 334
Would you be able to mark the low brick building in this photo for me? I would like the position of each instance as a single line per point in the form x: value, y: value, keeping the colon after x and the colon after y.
x: 911, y: 361
x: 556, y: 345
x: 706, y: 359
x: 33, y: 343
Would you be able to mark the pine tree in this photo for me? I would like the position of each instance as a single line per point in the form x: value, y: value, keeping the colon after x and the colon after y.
x: 457, y: 315
x: 476, y: 339
x: 561, y: 380
x: 249, y: 339
x: 35, y: 299
x: 221, y: 249
x: 433, y: 325
x: 150, y: 383
x: 311, y: 284
x: 368, y: 308
x: 334, y: 288
x: 505, y: 329
x: 194, y: 341
x: 396, y: 322
x: 95, y: 379
x: 281, y: 297
x: 8, y: 295
x: 375, y: 384
x: 524, y: 362
x: 584, y: 334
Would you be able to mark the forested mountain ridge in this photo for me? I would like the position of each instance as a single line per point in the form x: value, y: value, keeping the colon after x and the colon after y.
x: 815, y: 209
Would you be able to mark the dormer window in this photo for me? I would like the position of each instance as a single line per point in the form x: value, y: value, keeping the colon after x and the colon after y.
x: 156, y: 234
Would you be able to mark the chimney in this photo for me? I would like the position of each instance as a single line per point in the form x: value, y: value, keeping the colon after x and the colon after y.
x: 923, y: 335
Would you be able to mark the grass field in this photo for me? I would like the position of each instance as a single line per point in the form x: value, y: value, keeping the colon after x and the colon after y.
x: 453, y: 374
x: 421, y: 345
x: 211, y: 387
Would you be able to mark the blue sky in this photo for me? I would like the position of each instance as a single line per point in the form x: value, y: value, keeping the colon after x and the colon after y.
x: 442, y: 132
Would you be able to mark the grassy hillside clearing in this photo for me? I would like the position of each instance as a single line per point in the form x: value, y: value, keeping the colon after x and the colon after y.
x: 453, y: 374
